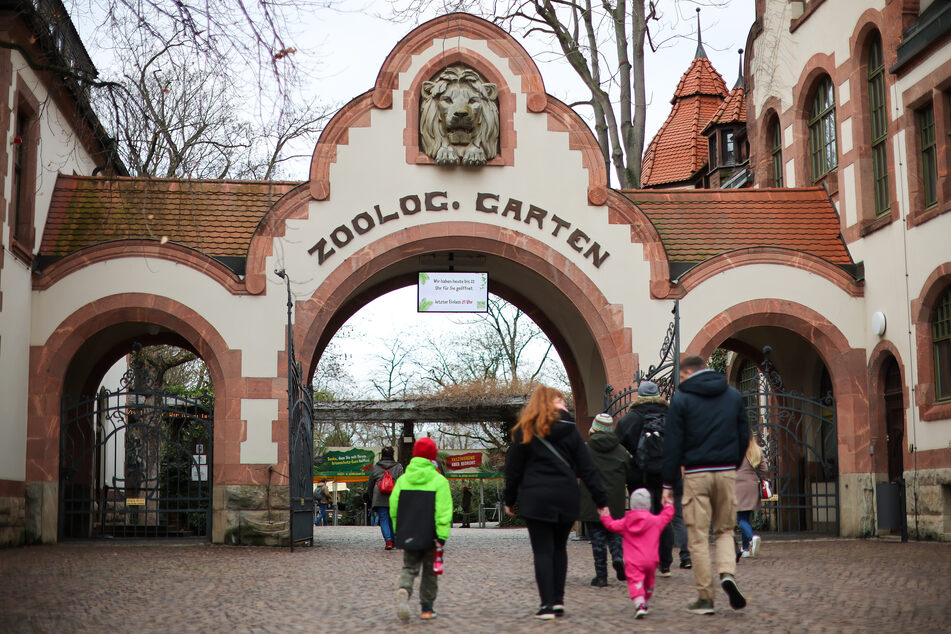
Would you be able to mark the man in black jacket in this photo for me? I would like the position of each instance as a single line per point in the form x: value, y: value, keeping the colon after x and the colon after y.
x: 706, y: 433
x: 649, y: 403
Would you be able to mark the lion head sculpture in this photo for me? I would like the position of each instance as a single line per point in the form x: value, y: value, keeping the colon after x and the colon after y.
x: 459, y: 117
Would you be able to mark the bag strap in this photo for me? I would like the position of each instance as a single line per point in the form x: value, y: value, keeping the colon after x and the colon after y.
x: 557, y: 455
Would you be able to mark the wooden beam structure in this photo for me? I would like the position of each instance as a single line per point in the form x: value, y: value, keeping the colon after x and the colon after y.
x: 419, y: 411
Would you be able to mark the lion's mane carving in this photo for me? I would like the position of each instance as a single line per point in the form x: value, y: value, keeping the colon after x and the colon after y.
x: 459, y: 117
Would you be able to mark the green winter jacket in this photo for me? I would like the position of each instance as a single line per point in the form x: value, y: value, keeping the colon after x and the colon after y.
x: 421, y: 506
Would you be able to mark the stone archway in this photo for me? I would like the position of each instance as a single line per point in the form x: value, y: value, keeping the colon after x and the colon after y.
x: 846, y: 367
x: 586, y: 330
x: 56, y: 366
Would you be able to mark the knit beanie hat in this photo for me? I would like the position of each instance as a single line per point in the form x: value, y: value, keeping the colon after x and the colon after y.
x: 425, y: 448
x: 641, y: 499
x: 602, y: 422
x: 647, y: 388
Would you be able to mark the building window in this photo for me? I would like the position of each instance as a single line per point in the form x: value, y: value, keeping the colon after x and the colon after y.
x: 729, y: 147
x: 929, y: 157
x: 713, y: 150
x: 941, y: 340
x: 879, y: 125
x: 776, y: 154
x: 24, y: 180
x: 822, y: 144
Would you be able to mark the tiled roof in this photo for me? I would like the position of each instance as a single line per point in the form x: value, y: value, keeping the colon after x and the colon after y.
x: 216, y: 217
x: 697, y: 224
x: 701, y: 78
x: 732, y: 110
x: 679, y: 148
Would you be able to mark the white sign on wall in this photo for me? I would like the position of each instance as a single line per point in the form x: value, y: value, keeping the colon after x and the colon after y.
x: 452, y: 292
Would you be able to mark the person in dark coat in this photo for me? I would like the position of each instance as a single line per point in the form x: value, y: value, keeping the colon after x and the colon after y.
x: 649, y: 401
x: 542, y: 466
x: 707, y: 433
x: 613, y: 463
x: 377, y: 499
x: 466, y: 506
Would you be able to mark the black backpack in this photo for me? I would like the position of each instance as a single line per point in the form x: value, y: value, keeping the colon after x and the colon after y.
x: 649, y: 455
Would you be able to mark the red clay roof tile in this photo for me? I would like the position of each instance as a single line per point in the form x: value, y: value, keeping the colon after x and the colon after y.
x: 216, y: 217
x: 698, y: 224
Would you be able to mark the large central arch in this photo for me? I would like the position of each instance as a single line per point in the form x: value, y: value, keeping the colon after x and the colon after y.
x: 586, y: 330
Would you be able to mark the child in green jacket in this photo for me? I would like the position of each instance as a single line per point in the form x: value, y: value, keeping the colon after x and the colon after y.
x: 421, y: 509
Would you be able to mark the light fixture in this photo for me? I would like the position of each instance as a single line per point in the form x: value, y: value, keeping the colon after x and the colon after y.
x: 878, y: 323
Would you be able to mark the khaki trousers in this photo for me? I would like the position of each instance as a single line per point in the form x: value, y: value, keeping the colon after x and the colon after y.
x: 710, y: 504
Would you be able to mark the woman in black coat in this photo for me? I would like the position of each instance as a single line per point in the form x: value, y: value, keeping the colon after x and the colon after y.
x: 542, y: 466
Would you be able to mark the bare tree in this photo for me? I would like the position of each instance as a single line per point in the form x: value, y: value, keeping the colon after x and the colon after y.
x: 604, y: 44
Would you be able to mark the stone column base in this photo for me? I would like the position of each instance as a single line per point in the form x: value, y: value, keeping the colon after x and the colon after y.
x: 251, y: 514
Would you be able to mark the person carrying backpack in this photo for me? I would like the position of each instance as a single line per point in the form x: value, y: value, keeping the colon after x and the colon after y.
x: 382, y: 480
x: 641, y: 432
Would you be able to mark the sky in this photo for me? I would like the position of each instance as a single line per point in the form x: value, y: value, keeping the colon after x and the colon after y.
x: 341, y: 50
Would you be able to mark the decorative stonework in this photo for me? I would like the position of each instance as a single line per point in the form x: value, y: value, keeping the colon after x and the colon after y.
x: 459, y: 117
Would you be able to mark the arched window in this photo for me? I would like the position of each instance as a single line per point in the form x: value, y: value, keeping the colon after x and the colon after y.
x: 822, y: 146
x: 878, y: 123
x: 941, y: 341
x: 775, y: 135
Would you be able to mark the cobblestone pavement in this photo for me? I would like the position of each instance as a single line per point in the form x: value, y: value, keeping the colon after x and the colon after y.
x: 346, y: 584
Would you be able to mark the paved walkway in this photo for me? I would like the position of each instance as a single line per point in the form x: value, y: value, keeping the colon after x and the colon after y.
x: 346, y: 583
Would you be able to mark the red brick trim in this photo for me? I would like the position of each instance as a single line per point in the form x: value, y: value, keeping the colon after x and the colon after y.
x: 770, y: 255
x: 459, y: 25
x: 12, y: 488
x: 761, y: 145
x: 843, y: 362
x: 564, y: 119
x: 139, y: 249
x: 811, y: 6
x: 870, y: 24
x: 921, y: 309
x: 6, y: 82
x: 50, y: 362
x: 355, y: 114
x: 879, y: 356
x: 933, y: 88
x: 459, y: 55
x: 603, y: 320
x: 293, y: 205
x: 23, y: 236
x: 818, y: 65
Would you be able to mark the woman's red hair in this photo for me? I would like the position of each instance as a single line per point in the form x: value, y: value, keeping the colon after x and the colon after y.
x: 538, y: 415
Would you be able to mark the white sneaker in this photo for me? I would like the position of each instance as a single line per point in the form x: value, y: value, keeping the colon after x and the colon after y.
x: 402, y: 605
x: 754, y: 546
x: 745, y: 553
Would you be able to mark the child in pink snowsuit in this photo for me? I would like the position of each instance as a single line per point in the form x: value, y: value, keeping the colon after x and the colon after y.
x: 640, y: 530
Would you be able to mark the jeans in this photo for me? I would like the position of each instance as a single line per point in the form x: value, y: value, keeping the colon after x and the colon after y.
x: 743, y: 519
x: 413, y: 560
x: 382, y: 514
x: 680, y: 531
x: 321, y: 515
x: 550, y: 553
x: 601, y: 540
x: 710, y: 503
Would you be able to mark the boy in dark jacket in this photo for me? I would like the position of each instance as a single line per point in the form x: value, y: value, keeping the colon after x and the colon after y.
x: 421, y: 510
x: 613, y: 463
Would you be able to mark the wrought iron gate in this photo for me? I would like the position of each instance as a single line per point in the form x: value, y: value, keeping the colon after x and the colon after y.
x: 300, y: 429
x: 136, y: 462
x: 799, y: 440
x: 666, y: 374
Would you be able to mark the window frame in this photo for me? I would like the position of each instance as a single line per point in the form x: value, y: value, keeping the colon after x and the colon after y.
x: 878, y: 126
x: 940, y: 323
x: 927, y: 153
x: 823, y: 141
x: 775, y: 132
x: 21, y: 208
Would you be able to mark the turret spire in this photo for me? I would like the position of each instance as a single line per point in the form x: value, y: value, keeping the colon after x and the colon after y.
x: 700, y: 52
x: 740, y: 82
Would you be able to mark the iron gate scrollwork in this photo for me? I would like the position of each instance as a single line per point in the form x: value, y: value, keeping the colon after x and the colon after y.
x: 799, y: 441
x: 666, y: 374
x: 136, y: 462
x: 300, y: 428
